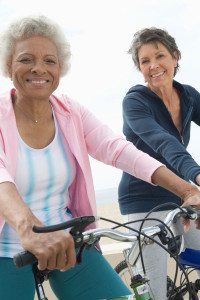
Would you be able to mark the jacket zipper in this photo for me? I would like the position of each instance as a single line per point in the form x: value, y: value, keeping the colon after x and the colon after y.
x: 185, y: 123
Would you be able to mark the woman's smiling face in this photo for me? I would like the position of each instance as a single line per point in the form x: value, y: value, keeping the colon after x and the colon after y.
x: 34, y: 67
x: 156, y: 64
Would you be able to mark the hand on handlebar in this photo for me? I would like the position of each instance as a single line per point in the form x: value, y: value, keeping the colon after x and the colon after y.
x: 53, y: 250
x: 76, y: 225
x: 194, y: 201
x: 186, y: 224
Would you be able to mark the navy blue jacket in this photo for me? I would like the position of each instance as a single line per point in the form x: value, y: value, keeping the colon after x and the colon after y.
x: 149, y: 126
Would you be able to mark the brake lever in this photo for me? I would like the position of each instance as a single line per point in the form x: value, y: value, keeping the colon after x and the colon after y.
x: 78, y: 223
x: 77, y: 233
x: 77, y: 230
x: 77, y: 226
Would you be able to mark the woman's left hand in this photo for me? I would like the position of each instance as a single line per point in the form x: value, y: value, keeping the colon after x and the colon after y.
x: 194, y: 201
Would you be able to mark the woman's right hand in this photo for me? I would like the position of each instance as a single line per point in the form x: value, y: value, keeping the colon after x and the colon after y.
x: 54, y: 250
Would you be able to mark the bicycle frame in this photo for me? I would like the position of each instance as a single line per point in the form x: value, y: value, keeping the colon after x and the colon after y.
x: 189, y: 258
x: 90, y: 237
x: 39, y: 277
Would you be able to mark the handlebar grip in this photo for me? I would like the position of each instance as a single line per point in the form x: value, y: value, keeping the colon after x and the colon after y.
x: 78, y: 225
x: 24, y: 258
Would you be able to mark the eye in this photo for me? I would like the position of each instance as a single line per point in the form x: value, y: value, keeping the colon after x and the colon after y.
x: 145, y: 61
x: 160, y: 55
x: 50, y: 61
x: 25, y: 60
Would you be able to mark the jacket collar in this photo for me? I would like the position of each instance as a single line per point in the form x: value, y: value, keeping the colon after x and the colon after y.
x: 60, y: 105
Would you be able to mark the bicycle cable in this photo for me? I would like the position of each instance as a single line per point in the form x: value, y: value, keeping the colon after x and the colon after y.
x: 169, y: 204
x: 176, y: 260
x: 175, y: 257
x: 161, y: 245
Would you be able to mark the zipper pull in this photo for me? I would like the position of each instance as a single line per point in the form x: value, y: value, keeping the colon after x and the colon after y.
x: 182, y: 141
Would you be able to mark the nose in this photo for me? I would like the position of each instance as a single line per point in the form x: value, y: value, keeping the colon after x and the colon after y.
x: 38, y: 68
x: 154, y: 65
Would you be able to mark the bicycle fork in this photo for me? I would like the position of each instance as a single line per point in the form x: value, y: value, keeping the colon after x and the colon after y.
x: 139, y: 284
x: 39, y: 277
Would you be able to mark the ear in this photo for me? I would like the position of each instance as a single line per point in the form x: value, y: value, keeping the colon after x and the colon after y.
x: 175, y: 63
x: 175, y: 58
x: 176, y: 54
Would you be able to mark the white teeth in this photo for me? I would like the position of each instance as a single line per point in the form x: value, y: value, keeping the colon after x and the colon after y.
x: 158, y: 74
x: 38, y: 81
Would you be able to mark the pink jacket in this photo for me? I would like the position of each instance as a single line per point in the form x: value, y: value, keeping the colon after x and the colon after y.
x: 85, y: 135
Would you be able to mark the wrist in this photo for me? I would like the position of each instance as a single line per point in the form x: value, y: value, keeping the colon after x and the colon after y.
x: 25, y: 224
x: 191, y: 191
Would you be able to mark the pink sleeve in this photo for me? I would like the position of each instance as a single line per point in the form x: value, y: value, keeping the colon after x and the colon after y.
x: 5, y: 176
x: 113, y: 149
x: 137, y: 163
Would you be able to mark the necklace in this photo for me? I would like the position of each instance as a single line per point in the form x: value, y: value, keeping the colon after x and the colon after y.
x: 28, y: 115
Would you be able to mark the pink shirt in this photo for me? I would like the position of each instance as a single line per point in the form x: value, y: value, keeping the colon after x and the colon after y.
x: 85, y: 135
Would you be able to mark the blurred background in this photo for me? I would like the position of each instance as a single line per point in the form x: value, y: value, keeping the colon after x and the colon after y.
x: 100, y: 32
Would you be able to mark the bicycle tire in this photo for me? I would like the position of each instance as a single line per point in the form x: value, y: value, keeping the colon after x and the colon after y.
x: 170, y: 284
x: 123, y: 271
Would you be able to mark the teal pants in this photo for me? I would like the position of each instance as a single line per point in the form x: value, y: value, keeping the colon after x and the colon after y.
x: 93, y: 279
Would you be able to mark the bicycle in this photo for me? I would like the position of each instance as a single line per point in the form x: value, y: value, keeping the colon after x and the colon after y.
x: 188, y: 260
x: 88, y: 238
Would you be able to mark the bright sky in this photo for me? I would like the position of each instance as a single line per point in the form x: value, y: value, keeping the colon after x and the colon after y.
x: 100, y: 32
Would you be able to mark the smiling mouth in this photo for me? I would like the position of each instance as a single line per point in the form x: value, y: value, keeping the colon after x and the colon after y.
x: 157, y: 74
x: 34, y: 81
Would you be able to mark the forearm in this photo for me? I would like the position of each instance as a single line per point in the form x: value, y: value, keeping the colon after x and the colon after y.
x: 14, y: 210
x: 53, y: 250
x: 168, y: 180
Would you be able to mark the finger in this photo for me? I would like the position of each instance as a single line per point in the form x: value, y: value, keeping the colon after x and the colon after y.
x: 184, y: 204
x: 186, y: 224
x: 52, y: 262
x: 61, y: 260
x: 186, y: 227
x: 42, y: 263
x: 70, y: 260
x: 192, y: 201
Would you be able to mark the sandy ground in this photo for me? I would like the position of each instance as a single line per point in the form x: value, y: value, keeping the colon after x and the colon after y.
x: 111, y: 249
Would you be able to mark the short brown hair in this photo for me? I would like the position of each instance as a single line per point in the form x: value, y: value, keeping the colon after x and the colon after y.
x: 153, y: 35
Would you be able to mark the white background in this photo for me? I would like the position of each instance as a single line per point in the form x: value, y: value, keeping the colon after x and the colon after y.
x: 100, y: 32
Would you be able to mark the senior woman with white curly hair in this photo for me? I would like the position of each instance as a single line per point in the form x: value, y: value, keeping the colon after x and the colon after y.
x: 45, y: 174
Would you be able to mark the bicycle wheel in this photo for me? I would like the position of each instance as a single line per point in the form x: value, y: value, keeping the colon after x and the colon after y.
x: 174, y: 295
x: 123, y: 271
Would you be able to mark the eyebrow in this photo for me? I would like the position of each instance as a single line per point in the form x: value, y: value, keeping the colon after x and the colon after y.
x: 158, y: 52
x: 30, y: 54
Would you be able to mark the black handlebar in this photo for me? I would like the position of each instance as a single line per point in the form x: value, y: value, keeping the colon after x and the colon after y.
x: 24, y: 258
x: 77, y: 226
